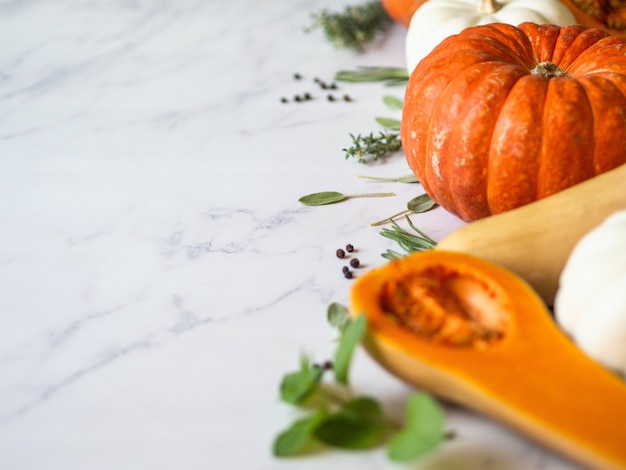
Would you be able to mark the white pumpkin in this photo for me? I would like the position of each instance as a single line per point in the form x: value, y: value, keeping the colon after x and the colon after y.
x: 435, y: 20
x: 590, y: 303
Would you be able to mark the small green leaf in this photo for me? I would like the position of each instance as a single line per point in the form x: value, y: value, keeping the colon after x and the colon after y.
x: 350, y: 338
x: 393, y: 102
x: 421, y: 203
x: 423, y: 432
x: 389, y: 123
x: 322, y: 198
x: 295, y: 387
x: 330, y: 197
x: 407, y: 179
x: 358, y: 425
x: 366, y: 406
x: 338, y: 316
x: 294, y: 439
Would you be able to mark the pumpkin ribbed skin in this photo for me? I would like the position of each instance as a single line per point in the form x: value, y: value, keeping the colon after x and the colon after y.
x: 485, y: 133
x: 602, y: 17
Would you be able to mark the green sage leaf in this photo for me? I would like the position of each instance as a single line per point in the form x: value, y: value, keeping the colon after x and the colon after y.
x: 322, y: 198
x: 393, y: 102
x: 295, y: 387
x: 421, y: 203
x: 330, y: 197
x: 365, y: 406
x: 350, y: 338
x: 338, y: 316
x: 358, y: 425
x: 389, y: 123
x: 423, y: 431
x: 295, y: 439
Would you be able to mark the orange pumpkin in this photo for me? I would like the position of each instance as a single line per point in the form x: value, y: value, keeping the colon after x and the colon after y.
x: 599, y: 14
x: 401, y: 11
x: 499, y: 116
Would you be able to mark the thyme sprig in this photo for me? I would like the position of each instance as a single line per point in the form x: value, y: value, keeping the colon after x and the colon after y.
x: 369, y: 148
x: 355, y: 27
x: 409, y: 242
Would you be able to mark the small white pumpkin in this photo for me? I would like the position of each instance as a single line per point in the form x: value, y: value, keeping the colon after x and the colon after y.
x: 435, y: 20
x: 590, y: 303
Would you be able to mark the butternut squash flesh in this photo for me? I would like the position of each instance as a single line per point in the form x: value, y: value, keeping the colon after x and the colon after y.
x: 535, y: 240
x: 474, y: 333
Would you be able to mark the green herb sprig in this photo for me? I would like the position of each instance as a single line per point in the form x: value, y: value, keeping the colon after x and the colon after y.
x: 390, y: 76
x: 396, y: 179
x: 370, y: 148
x: 418, y: 205
x: 338, y: 418
x: 331, y: 197
x: 409, y: 242
x: 355, y: 27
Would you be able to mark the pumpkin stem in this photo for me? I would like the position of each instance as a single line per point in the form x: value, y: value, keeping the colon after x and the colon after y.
x: 548, y: 70
x: 487, y: 7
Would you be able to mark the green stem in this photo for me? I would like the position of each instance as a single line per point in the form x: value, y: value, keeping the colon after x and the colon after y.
x: 370, y: 195
x: 390, y: 219
x: 401, y: 179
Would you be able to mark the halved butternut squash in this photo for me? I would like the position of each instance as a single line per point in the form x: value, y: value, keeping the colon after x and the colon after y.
x: 474, y: 333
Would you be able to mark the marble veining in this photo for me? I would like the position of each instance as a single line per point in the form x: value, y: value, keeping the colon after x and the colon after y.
x: 157, y: 274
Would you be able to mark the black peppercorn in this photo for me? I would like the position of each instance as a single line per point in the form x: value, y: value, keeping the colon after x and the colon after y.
x: 307, y: 96
x: 347, y: 98
x: 331, y: 98
x: 345, y: 269
x: 297, y: 76
x: 349, y: 248
x: 348, y: 274
x: 284, y: 100
x: 340, y: 253
x: 354, y: 262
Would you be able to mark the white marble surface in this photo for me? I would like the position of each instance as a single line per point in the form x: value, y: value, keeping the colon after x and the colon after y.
x: 157, y: 274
